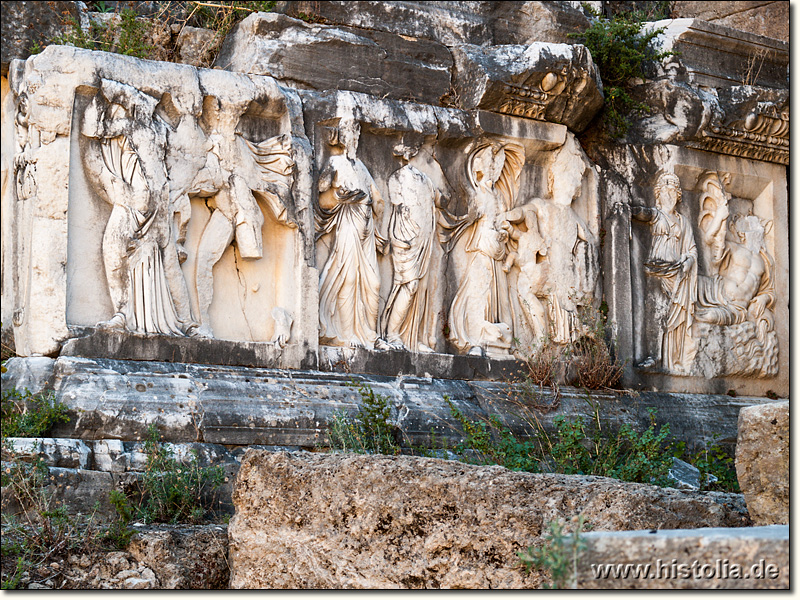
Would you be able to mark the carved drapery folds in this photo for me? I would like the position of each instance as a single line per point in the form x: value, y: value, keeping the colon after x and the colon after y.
x: 124, y: 162
x: 490, y: 273
x: 349, y: 205
x: 719, y: 320
x: 188, y: 203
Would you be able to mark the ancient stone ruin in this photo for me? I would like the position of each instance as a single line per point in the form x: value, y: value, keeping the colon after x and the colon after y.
x: 419, y: 197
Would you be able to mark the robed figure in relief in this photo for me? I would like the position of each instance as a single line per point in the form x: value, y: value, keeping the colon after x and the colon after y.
x: 673, y: 261
x: 349, y: 204
x: 481, y: 318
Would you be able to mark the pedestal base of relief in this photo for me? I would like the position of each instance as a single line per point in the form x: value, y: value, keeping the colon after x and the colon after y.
x: 174, y: 349
x: 237, y: 406
x: 401, y: 362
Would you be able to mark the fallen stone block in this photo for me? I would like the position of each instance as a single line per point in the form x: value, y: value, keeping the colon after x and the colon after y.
x: 350, y: 521
x: 707, y: 558
x: 184, y: 557
x: 762, y: 461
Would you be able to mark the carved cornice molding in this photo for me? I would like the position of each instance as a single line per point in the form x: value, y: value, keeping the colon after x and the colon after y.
x: 760, y: 136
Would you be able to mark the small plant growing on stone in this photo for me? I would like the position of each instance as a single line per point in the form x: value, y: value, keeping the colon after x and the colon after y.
x: 621, y: 48
x: 494, y: 444
x: 174, y: 491
x: 713, y: 460
x: 30, y: 415
x: 370, y: 430
x: 558, y: 556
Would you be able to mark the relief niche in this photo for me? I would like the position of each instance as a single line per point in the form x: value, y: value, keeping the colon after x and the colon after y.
x: 719, y: 311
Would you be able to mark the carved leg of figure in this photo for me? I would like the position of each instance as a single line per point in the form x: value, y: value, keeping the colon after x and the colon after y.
x: 397, y: 314
x: 217, y: 236
x: 178, y: 288
x: 115, y: 260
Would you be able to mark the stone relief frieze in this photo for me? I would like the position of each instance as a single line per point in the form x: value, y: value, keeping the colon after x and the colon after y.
x: 409, y: 317
x: 144, y: 239
x: 673, y: 262
x: 481, y: 318
x: 719, y: 318
x: 125, y: 163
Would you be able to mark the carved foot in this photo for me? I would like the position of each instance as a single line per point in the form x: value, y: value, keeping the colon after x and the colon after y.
x: 382, y: 344
x: 425, y: 349
x: 476, y: 351
x: 200, y: 331
x: 115, y: 323
x: 647, y: 363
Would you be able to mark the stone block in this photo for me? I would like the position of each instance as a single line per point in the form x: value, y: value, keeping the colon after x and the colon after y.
x: 184, y: 557
x: 704, y: 558
x: 714, y: 55
x: 56, y: 452
x: 548, y: 82
x: 348, y: 521
x: 770, y: 19
x: 114, y: 402
x: 194, y: 46
x: 321, y: 57
x: 450, y: 23
x: 28, y: 24
x: 762, y: 461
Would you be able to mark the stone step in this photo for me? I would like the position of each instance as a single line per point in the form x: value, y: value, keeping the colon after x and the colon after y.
x: 239, y: 406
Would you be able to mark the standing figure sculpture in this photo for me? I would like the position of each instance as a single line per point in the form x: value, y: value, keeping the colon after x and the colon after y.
x: 572, y: 247
x: 673, y: 261
x: 409, y: 320
x: 124, y: 159
x: 481, y: 318
x: 246, y: 172
x: 349, y: 204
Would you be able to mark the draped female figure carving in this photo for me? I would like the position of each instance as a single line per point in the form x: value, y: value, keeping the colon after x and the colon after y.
x: 481, y: 319
x: 349, y: 284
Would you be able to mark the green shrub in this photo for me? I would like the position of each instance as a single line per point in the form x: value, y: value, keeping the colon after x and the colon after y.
x: 174, y: 491
x: 558, y: 556
x: 369, y: 431
x: 621, y: 48
x: 30, y: 415
x: 494, y: 444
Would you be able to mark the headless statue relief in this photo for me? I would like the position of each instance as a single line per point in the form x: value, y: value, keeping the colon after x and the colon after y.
x: 529, y: 255
x: 673, y: 261
x: 409, y: 320
x: 235, y: 210
x: 481, y: 318
x: 571, y: 247
x: 124, y: 160
x: 740, y: 291
x: 349, y: 285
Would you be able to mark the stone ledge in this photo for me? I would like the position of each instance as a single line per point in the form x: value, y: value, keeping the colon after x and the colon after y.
x: 97, y: 343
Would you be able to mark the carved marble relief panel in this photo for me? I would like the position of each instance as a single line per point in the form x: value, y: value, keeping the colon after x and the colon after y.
x: 469, y: 244
x: 711, y: 269
x: 226, y: 181
x: 185, y: 214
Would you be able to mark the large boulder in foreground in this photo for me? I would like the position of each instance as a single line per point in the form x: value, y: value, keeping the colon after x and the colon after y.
x: 307, y: 520
x: 762, y: 461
